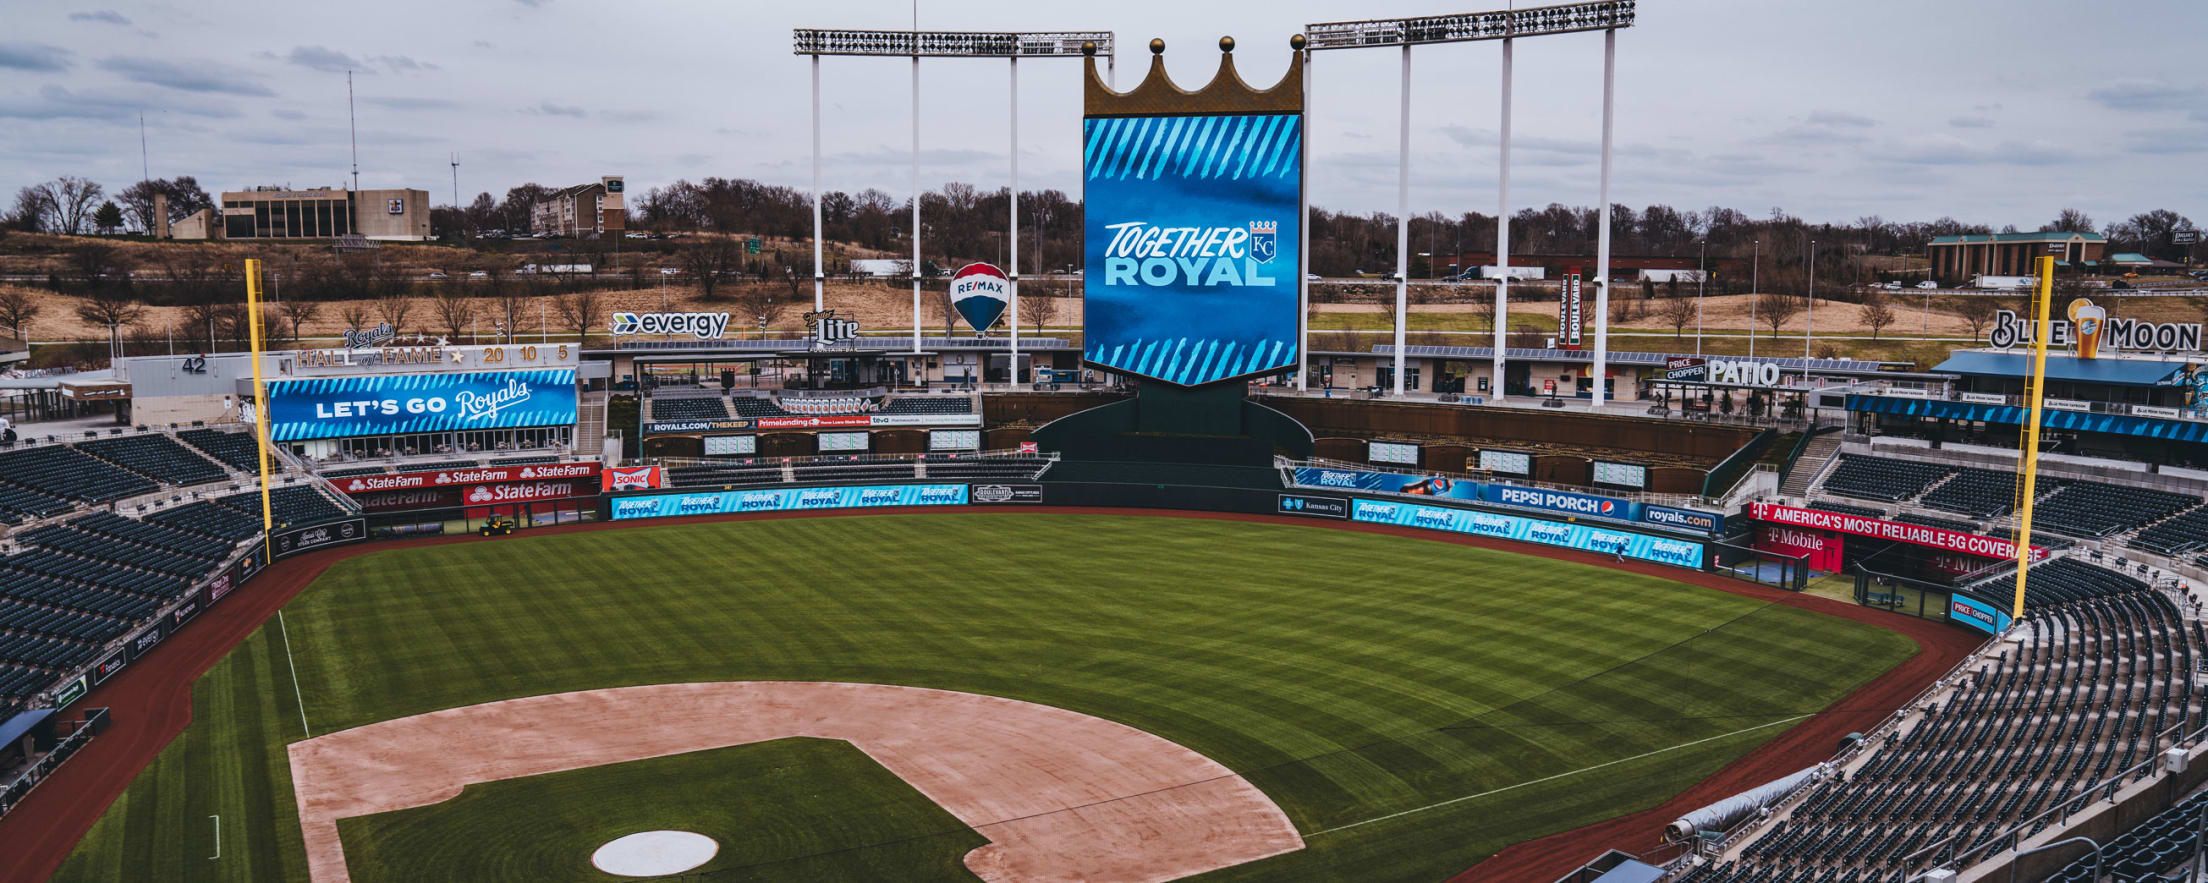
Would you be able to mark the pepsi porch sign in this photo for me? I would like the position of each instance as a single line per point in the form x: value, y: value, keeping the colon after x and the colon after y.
x: 1192, y: 225
x: 980, y: 292
x: 395, y: 404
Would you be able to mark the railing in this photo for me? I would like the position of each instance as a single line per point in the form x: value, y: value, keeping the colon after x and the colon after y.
x: 1680, y: 500
x: 1740, y: 460
x: 2161, y: 412
x: 848, y: 459
x: 61, y: 753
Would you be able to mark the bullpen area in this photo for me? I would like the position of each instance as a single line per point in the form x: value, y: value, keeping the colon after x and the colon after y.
x: 859, y: 697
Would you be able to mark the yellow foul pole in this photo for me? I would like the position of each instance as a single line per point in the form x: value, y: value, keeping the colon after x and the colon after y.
x: 2035, y: 390
x: 260, y: 400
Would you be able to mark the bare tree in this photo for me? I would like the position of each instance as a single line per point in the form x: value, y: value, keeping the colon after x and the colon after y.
x: 708, y: 260
x: 94, y: 263
x: 298, y: 311
x: 113, y: 311
x: 354, y: 315
x: 1978, y: 312
x: 1525, y: 336
x: 1484, y: 307
x: 69, y: 200
x: 394, y: 307
x: 17, y: 310
x: 759, y: 306
x: 1777, y: 308
x: 578, y: 310
x: 1874, y: 312
x: 1677, y: 311
x: 454, y: 309
x: 1043, y: 309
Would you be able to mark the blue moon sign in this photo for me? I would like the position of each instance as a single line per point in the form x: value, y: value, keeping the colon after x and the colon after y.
x: 980, y: 292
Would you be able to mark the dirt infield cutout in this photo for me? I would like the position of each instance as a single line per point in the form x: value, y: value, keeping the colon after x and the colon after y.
x: 1060, y: 795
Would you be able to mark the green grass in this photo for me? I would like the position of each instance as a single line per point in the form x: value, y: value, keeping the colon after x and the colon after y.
x: 1383, y: 690
x: 790, y: 809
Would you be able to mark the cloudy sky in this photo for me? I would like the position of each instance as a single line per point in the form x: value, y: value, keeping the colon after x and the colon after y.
x: 1997, y: 111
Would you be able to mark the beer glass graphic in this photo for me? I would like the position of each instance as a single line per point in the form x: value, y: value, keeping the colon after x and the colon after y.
x: 2086, y: 323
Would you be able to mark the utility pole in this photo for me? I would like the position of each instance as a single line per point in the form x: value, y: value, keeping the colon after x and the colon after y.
x: 354, y: 122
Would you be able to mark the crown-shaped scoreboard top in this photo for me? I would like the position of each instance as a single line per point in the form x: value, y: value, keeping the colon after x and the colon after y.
x: 1156, y: 95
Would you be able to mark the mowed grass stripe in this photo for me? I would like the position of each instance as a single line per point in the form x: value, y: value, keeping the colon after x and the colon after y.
x: 1350, y: 675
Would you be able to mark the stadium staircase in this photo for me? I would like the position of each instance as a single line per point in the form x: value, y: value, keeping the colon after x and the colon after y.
x: 1817, y: 457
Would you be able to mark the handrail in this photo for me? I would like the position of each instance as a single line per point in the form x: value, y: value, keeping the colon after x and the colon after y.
x: 845, y: 459
x: 1801, y: 447
x: 1740, y: 460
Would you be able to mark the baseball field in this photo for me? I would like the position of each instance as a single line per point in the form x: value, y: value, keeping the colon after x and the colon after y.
x: 1405, y: 707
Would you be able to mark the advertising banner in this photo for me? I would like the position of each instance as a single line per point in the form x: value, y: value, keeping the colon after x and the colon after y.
x: 788, y: 499
x: 1679, y: 553
x: 1976, y: 614
x: 219, y: 587
x: 1192, y: 232
x: 1007, y: 493
x: 980, y: 292
x: 301, y: 539
x: 110, y: 666
x: 631, y: 478
x: 1953, y: 541
x: 183, y: 613
x: 696, y: 426
x: 833, y: 421
x: 144, y: 642
x: 362, y: 484
x: 70, y: 692
x: 1568, y: 502
x: 1388, y: 483
x: 399, y: 501
x: 526, y: 491
x: 392, y: 404
x: 1570, y: 322
x: 1561, y: 501
x: 1683, y: 519
x: 1819, y: 551
x: 1315, y: 507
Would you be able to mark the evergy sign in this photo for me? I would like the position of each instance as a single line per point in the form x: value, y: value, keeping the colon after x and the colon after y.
x: 1953, y: 541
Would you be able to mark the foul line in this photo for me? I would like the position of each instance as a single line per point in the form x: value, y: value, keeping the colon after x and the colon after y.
x: 302, y: 700
x: 1397, y: 815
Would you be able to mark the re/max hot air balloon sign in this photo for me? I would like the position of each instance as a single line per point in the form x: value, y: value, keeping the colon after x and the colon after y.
x: 980, y: 292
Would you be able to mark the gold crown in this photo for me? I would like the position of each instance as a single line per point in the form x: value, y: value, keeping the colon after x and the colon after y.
x: 1226, y: 93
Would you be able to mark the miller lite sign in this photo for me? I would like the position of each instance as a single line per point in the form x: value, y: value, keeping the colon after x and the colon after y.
x: 827, y: 329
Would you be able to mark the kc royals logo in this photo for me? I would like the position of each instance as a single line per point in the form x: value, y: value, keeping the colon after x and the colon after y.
x: 1264, y: 241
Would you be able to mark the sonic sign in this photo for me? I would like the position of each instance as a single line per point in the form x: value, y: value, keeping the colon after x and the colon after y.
x: 1193, y: 212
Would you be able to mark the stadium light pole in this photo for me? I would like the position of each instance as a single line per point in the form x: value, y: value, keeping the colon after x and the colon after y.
x: 915, y: 44
x: 1505, y: 25
x: 1602, y: 236
x: 1402, y: 224
x: 1502, y: 234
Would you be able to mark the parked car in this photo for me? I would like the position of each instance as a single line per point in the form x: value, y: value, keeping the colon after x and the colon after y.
x: 1928, y: 284
x: 478, y: 274
x: 1891, y: 286
x: 436, y: 274
x: 636, y: 235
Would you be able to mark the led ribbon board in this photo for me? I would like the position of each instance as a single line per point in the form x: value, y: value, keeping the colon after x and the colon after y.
x: 1193, y: 225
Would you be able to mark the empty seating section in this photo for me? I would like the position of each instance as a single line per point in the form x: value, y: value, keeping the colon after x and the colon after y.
x: 1846, y: 509
x: 664, y: 409
x: 888, y: 471
x: 756, y: 408
x: 524, y: 461
x: 734, y: 473
x: 2090, y: 509
x: 1881, y: 478
x: 63, y: 471
x: 2188, y: 532
x: 2104, y: 666
x: 156, y: 456
x: 2149, y: 850
x: 352, y: 472
x: 209, y: 518
x: 19, y: 504
x: 1019, y: 468
x: 929, y: 405
x: 297, y: 504
x: 1982, y: 493
x: 235, y: 449
x: 1936, y: 521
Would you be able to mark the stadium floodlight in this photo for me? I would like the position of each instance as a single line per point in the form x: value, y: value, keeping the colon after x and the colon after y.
x: 1009, y: 45
x: 1505, y: 25
x: 1567, y: 18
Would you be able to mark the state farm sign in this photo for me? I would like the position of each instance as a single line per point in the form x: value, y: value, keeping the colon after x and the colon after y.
x: 523, y: 492
x: 1953, y: 541
x: 366, y: 484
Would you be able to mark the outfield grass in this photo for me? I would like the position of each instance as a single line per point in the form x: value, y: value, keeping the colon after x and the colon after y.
x: 1412, y: 705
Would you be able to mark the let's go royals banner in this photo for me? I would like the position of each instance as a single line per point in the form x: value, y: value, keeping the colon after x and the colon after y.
x: 395, y: 404
x: 1678, y: 553
x: 1193, y: 224
x: 788, y: 499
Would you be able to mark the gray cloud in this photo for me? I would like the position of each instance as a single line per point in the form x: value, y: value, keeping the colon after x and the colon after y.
x: 33, y: 57
x: 57, y: 103
x: 2166, y: 142
x: 1971, y: 122
x: 559, y: 110
x: 1949, y: 150
x: 1837, y: 118
x: 401, y: 64
x: 322, y: 58
x: 103, y: 16
x: 397, y: 102
x: 195, y: 77
x: 2149, y: 95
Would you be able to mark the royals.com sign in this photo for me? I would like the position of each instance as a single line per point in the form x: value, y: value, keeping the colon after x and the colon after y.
x: 788, y: 499
x: 398, y: 404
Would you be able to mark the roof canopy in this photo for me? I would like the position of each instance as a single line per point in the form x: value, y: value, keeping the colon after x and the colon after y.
x: 2115, y: 372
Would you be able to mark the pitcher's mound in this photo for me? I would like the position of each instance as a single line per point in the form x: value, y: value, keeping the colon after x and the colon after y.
x: 654, y: 853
